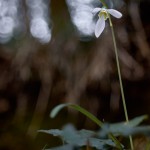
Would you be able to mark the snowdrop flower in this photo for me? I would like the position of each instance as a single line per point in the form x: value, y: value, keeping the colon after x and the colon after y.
x: 103, y: 16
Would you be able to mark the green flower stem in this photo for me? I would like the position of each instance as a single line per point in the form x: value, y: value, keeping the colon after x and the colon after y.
x: 103, y: 3
x: 55, y: 111
x: 120, y: 79
x: 119, y: 73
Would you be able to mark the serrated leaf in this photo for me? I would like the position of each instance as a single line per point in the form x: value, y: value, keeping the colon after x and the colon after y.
x: 124, y: 125
x: 145, y: 130
x: 55, y: 111
x: 124, y: 128
x: 80, y: 138
x: 136, y: 121
x: 115, y: 130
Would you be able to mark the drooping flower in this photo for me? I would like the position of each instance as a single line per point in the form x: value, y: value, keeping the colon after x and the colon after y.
x: 103, y: 15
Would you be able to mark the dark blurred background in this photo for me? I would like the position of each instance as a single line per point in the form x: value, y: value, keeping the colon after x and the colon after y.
x: 49, y: 55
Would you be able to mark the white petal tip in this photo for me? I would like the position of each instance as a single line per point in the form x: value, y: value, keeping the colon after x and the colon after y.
x: 100, y: 25
x: 96, y: 10
x: 97, y: 36
x: 115, y: 13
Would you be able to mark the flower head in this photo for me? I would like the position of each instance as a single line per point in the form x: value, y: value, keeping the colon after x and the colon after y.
x: 103, y: 15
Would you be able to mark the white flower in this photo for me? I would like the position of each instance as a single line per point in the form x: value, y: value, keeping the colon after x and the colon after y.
x: 103, y: 15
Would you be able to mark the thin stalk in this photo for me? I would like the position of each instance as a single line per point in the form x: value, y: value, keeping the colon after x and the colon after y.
x: 55, y: 111
x: 119, y: 73
x: 120, y: 79
x: 103, y: 3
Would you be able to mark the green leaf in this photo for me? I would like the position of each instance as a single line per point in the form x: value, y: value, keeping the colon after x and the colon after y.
x: 80, y: 138
x: 124, y: 128
x: 103, y: 3
x: 136, y: 121
x: 55, y: 111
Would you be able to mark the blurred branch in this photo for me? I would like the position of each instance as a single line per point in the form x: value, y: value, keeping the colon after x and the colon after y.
x: 140, y: 36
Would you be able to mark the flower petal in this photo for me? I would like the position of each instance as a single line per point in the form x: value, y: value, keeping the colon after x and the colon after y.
x: 96, y: 10
x: 100, y: 25
x: 114, y: 13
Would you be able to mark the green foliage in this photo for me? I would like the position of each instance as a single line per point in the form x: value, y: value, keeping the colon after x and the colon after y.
x: 86, y: 113
x: 126, y: 129
x: 104, y: 3
x: 105, y: 138
x: 71, y: 136
x: 55, y: 111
